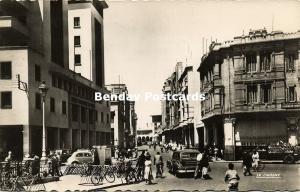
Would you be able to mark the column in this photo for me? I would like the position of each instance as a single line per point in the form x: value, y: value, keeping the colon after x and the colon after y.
x: 57, y: 138
x: 257, y: 62
x: 26, y: 139
x: 229, y: 152
x: 293, y: 130
x: 215, y: 134
x: 205, y: 134
x: 68, y: 139
x: 196, y: 136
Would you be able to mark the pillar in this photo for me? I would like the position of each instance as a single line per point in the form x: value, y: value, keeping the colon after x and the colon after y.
x: 293, y: 130
x: 57, y: 138
x: 205, y: 135
x: 68, y: 139
x: 229, y: 152
x: 26, y: 139
x: 215, y: 134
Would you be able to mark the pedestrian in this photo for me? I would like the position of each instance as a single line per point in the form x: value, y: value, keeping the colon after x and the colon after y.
x: 141, y: 165
x: 198, y: 165
x: 158, y: 161
x: 154, y: 146
x: 35, y: 166
x: 232, y: 178
x: 216, y: 153
x: 148, y: 170
x: 8, y: 158
x: 128, y: 170
x: 205, y: 166
x: 255, y: 158
x: 247, y: 163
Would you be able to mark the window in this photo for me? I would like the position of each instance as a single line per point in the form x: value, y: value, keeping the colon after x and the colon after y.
x: 83, y: 115
x: 87, y: 155
x: 291, y: 94
x: 96, y: 115
x: 5, y: 70
x: 251, y: 63
x: 74, y: 112
x: 290, y: 62
x: 59, y: 83
x: 76, y: 22
x: 102, y: 118
x: 77, y: 59
x: 77, y: 41
x: 79, y: 155
x: 91, y: 116
x: 37, y: 73
x: 265, y: 62
x: 52, y: 105
x: 252, y: 94
x: 54, y: 82
x: 64, y: 107
x: 38, y: 101
x: 6, y: 100
x: 266, y: 93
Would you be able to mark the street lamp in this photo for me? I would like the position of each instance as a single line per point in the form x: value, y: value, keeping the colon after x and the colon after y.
x: 43, y: 90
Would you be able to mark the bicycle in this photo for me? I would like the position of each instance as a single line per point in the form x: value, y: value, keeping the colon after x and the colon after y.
x: 99, y: 175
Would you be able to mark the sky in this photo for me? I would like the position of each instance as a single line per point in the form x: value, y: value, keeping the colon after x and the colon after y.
x: 143, y: 40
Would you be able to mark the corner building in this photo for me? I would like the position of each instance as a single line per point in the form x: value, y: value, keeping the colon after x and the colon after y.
x: 35, y: 44
x: 252, y: 87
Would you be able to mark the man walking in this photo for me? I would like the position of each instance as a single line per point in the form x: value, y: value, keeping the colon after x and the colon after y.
x: 198, y: 166
x: 247, y: 163
x: 158, y: 161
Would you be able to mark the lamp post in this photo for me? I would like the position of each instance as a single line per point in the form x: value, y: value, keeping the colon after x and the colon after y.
x: 43, y: 90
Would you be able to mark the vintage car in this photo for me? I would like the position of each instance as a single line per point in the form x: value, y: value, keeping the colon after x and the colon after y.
x: 183, y: 161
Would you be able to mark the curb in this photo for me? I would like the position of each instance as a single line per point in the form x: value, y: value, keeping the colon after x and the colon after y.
x: 265, y: 162
x: 107, y: 187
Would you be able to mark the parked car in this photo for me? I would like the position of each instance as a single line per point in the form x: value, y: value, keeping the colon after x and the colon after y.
x: 80, y: 156
x: 183, y: 161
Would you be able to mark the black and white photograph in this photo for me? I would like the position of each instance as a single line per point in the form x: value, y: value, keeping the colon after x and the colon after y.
x: 150, y: 95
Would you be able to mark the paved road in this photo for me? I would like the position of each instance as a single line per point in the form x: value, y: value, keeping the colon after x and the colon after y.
x: 289, y: 177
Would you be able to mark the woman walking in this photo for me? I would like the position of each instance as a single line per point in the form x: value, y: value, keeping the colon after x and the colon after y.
x: 148, y: 169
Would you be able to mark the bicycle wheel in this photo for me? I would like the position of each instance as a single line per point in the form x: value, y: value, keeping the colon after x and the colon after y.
x: 96, y: 179
x: 110, y: 177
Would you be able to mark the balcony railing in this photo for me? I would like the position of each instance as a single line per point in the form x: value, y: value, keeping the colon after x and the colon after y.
x: 290, y: 105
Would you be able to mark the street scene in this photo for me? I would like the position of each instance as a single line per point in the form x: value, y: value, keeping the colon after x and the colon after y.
x: 105, y: 95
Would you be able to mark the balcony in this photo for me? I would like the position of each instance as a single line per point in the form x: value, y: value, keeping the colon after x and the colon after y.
x: 290, y: 105
x: 11, y: 26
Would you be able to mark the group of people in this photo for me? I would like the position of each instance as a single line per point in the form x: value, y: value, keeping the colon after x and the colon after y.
x: 202, y: 166
x: 144, y: 165
x: 250, y: 161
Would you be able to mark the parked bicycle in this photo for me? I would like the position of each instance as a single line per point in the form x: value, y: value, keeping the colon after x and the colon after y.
x: 101, y: 173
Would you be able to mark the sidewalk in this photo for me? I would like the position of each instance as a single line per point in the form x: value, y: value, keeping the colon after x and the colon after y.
x: 264, y: 161
x: 75, y: 182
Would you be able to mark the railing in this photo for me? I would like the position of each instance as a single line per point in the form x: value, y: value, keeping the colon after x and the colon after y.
x: 23, y: 176
x: 290, y: 105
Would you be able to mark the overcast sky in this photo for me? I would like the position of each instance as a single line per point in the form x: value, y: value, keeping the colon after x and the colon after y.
x: 145, y: 39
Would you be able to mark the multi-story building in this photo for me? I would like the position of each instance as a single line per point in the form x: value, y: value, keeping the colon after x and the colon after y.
x: 252, y: 87
x: 123, y: 117
x: 178, y: 116
x: 34, y: 44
